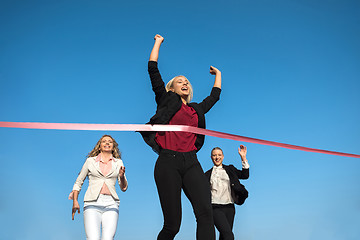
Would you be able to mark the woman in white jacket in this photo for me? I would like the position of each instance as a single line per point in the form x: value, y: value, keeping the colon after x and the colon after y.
x: 101, y: 202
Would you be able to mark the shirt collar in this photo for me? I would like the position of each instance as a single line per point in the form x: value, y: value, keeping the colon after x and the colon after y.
x: 217, y: 167
x: 98, y: 158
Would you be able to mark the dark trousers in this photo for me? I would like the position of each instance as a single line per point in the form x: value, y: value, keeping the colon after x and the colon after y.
x: 224, y: 220
x: 175, y: 171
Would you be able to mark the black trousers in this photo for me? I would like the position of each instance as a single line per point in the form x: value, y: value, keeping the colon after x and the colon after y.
x: 175, y: 171
x: 224, y: 220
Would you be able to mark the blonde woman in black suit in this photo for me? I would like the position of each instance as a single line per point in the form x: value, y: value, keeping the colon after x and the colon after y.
x: 226, y: 190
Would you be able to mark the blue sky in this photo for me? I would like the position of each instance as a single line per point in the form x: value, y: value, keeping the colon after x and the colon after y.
x: 291, y: 73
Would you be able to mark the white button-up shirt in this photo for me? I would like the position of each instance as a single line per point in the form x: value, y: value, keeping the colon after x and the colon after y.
x: 220, y: 186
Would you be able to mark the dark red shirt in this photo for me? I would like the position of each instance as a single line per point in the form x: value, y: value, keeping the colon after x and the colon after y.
x: 180, y: 141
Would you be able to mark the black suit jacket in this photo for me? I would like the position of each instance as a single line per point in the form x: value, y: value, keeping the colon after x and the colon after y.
x: 238, y: 191
x: 168, y: 103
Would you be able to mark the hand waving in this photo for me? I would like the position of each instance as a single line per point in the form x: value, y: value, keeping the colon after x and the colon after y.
x: 242, y: 151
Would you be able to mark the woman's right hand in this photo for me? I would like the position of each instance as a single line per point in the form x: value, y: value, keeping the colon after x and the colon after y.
x: 76, y: 207
x: 214, y: 70
x: 154, y: 55
x: 158, y: 38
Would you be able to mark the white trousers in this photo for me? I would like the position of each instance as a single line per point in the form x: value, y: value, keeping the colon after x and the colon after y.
x: 101, y: 217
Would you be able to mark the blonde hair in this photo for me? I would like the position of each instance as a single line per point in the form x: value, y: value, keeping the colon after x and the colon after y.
x: 217, y: 148
x: 96, y: 150
x: 170, y: 84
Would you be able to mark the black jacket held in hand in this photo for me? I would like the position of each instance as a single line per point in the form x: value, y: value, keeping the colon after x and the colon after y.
x: 168, y: 103
x: 238, y: 191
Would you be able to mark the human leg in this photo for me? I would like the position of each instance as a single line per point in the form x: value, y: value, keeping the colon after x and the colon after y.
x: 168, y: 183
x: 230, y: 214
x: 196, y: 188
x: 223, y: 219
x: 109, y: 218
x: 92, y: 222
x: 109, y: 224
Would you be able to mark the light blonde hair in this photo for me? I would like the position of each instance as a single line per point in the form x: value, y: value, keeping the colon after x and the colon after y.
x: 170, y: 84
x: 217, y: 148
x: 96, y: 151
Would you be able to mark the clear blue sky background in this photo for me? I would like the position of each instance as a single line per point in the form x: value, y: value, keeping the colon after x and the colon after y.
x: 291, y: 73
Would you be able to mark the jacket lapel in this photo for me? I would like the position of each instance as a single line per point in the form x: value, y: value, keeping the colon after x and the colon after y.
x: 96, y: 165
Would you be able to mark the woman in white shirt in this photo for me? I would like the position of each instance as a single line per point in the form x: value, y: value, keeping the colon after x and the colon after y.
x: 226, y: 190
x: 101, y: 202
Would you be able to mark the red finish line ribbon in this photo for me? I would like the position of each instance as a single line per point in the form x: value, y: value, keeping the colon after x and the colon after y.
x: 156, y: 128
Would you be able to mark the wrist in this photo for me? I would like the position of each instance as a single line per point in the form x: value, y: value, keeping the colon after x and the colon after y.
x: 245, y: 164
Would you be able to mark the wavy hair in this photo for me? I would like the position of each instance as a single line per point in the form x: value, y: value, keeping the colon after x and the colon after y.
x: 170, y: 84
x: 96, y: 150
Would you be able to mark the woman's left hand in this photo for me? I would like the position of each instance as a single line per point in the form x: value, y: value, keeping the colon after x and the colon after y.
x: 122, y: 171
x: 214, y: 70
x: 242, y: 152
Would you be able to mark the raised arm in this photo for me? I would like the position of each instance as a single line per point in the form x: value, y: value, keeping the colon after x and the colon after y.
x: 242, y: 152
x: 217, y: 73
x: 244, y: 173
x: 154, y: 55
x: 157, y: 83
x: 209, y: 101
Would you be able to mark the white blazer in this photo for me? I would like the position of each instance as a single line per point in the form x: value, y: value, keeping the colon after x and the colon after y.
x: 97, y: 179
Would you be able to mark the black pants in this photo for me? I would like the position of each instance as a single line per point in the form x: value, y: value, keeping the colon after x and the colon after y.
x: 175, y: 171
x: 224, y: 220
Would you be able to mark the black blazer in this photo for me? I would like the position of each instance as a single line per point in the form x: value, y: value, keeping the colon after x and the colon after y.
x: 238, y: 191
x: 168, y: 103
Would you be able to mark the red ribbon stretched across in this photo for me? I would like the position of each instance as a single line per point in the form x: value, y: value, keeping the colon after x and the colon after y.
x: 178, y: 128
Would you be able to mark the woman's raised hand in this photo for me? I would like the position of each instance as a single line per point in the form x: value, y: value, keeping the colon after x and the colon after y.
x: 159, y: 38
x: 154, y: 55
x: 242, y: 151
x: 214, y: 70
x: 217, y: 73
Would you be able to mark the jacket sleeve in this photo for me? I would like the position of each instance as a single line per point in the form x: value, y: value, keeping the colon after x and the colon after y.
x: 208, y: 174
x: 210, y: 101
x: 82, y: 175
x: 241, y: 174
x: 157, y: 83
